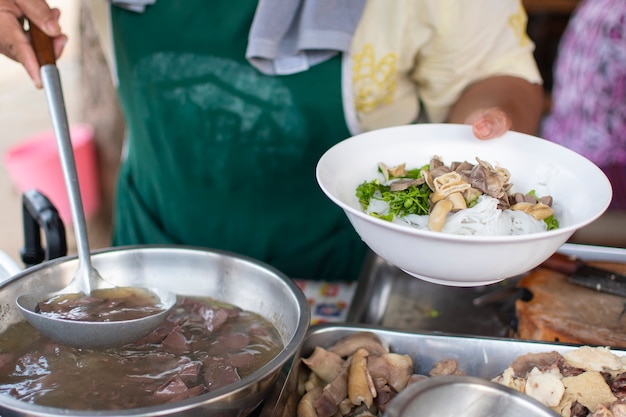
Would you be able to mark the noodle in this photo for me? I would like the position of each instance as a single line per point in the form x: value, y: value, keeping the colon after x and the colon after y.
x: 436, y: 197
x: 484, y: 219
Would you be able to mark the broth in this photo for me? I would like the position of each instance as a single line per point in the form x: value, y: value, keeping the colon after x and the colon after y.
x: 107, y: 304
x: 203, y: 345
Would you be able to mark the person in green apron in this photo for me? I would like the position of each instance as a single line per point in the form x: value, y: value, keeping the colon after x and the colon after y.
x: 222, y: 155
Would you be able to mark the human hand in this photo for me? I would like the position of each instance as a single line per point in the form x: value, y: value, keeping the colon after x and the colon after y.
x: 14, y: 40
x: 489, y: 123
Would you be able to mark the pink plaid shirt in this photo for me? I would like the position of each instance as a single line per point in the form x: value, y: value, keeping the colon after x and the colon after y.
x: 588, y: 112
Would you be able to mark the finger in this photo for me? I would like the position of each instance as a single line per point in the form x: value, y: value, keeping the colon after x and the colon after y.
x: 14, y: 42
x: 60, y: 40
x: 59, y: 44
x: 38, y: 12
x: 489, y: 123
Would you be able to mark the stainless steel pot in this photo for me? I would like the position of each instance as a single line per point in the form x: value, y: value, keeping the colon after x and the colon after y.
x: 235, y: 279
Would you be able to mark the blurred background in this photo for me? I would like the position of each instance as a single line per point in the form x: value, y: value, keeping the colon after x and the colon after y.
x: 90, y: 98
x: 24, y: 113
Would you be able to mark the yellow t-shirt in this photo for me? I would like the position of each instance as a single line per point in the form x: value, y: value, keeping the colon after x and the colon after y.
x: 409, y: 51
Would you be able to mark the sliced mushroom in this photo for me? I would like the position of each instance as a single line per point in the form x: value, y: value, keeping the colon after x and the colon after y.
x: 438, y: 214
x: 471, y: 194
x: 539, y: 211
x: 458, y: 201
x: 398, y: 171
x: 428, y: 178
x: 436, y: 196
x: 522, y: 206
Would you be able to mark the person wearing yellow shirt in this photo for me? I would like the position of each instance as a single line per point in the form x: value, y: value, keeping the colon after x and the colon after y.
x: 229, y: 106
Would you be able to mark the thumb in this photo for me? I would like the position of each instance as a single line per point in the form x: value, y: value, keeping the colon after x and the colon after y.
x: 489, y: 123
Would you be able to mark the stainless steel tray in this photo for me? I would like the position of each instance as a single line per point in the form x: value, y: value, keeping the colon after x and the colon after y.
x: 483, y: 357
x: 389, y: 297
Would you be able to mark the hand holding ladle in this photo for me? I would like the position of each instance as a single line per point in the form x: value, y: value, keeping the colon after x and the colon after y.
x: 86, y: 280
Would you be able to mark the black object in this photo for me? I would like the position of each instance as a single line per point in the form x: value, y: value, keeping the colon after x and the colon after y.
x: 581, y: 273
x: 40, y: 215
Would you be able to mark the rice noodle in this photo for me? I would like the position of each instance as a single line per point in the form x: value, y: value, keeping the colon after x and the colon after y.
x: 484, y: 219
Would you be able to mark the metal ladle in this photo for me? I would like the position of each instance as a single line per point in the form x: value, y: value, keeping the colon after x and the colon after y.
x: 84, y: 334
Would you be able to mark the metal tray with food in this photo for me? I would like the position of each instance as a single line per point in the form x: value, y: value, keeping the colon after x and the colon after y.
x: 387, y: 296
x: 483, y: 357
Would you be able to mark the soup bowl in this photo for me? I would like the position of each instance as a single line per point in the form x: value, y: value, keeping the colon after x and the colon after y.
x: 580, y: 191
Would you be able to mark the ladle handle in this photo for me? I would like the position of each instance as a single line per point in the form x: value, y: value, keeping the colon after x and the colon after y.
x: 42, y: 45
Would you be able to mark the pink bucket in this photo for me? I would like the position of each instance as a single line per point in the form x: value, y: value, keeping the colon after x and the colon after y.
x: 35, y: 163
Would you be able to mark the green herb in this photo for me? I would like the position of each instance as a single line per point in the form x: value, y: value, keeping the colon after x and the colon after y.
x: 417, y: 172
x: 365, y: 192
x: 472, y: 203
x: 411, y: 173
x: 388, y: 217
x: 413, y: 200
x: 551, y: 222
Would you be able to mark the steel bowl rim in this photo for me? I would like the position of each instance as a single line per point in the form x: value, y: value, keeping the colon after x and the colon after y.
x: 269, y: 370
x: 402, y: 400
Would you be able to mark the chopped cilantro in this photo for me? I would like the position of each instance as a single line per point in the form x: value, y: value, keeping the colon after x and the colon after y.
x: 551, y: 222
x: 413, y: 200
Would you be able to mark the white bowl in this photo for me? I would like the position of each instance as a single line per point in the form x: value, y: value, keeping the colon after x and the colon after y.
x: 580, y: 190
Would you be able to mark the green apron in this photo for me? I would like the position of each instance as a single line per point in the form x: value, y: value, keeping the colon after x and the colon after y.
x: 219, y: 155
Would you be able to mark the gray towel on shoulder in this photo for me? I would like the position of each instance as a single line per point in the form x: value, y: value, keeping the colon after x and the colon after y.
x: 289, y: 36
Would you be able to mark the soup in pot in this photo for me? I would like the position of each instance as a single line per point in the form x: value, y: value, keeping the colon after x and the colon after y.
x: 202, y: 346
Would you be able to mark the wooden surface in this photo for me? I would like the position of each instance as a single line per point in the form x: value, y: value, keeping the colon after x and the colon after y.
x: 564, y: 312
